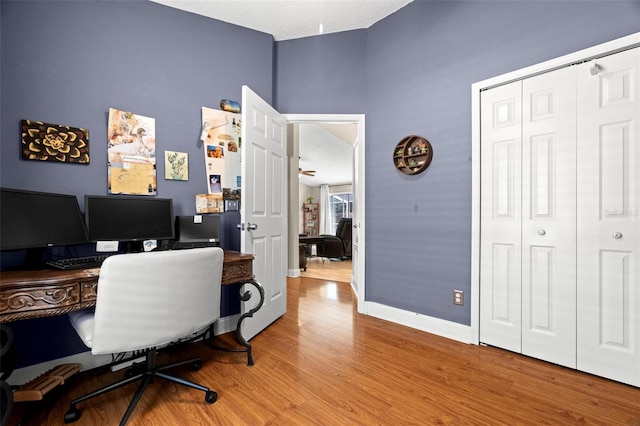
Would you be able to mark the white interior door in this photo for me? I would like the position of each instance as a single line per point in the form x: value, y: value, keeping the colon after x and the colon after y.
x: 609, y: 217
x: 501, y: 221
x: 264, y: 206
x: 528, y: 213
x: 357, y: 275
x: 549, y: 217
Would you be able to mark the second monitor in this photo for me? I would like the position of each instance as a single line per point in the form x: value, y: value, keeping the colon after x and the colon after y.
x: 198, y: 229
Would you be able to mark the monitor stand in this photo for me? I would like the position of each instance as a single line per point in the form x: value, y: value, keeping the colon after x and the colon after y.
x: 135, y: 246
x: 33, y: 259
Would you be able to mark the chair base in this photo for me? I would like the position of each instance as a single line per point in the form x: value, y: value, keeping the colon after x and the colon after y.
x: 146, y: 373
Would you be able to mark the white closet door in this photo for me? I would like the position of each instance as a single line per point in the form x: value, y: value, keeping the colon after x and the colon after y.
x: 549, y: 217
x: 500, y: 210
x: 609, y: 217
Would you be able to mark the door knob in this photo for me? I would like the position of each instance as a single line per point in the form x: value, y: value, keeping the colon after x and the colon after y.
x: 617, y: 235
x: 541, y: 232
x: 252, y: 226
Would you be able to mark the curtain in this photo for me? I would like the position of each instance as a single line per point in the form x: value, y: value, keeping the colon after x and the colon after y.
x: 325, y: 210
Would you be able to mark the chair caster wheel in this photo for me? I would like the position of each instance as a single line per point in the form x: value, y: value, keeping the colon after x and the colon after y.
x: 211, y: 397
x: 72, y: 415
x: 197, y: 365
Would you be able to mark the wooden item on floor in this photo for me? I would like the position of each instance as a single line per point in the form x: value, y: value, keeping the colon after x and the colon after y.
x: 37, y: 388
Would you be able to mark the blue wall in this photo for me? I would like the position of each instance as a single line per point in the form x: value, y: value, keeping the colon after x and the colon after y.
x: 68, y: 62
x: 321, y: 74
x: 420, y: 64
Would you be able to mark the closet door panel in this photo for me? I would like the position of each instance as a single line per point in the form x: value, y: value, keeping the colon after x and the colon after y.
x: 500, y: 258
x: 609, y: 217
x: 548, y: 217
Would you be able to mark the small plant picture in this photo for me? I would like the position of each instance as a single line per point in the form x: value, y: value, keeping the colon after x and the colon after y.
x: 176, y: 165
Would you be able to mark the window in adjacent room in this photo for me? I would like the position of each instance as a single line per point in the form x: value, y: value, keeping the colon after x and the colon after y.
x: 341, y: 205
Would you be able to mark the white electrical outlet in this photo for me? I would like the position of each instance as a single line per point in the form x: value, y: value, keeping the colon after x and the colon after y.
x: 458, y: 297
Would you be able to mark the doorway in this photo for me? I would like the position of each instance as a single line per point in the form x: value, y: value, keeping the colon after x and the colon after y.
x: 358, y: 234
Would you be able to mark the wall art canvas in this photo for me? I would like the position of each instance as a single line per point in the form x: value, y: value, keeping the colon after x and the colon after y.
x: 176, y: 165
x: 131, y: 142
x: 53, y: 142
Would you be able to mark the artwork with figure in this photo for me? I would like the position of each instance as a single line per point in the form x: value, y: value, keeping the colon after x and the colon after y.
x: 131, y: 153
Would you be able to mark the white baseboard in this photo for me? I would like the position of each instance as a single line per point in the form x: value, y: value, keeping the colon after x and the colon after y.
x: 23, y: 375
x: 437, y: 326
x: 226, y: 324
x: 293, y: 273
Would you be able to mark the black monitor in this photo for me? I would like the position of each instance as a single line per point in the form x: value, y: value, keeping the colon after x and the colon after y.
x: 128, y: 219
x: 198, y: 228
x: 32, y: 220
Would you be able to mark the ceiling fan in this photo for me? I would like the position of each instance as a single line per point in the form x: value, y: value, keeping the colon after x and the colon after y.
x: 307, y: 172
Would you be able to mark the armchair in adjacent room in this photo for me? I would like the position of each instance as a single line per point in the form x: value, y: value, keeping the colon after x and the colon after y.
x: 336, y: 246
x: 146, y: 301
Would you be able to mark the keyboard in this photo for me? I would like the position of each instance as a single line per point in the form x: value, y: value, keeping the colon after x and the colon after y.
x: 180, y: 245
x: 78, y: 262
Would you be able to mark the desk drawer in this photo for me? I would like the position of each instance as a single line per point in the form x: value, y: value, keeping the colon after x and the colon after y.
x: 32, y: 300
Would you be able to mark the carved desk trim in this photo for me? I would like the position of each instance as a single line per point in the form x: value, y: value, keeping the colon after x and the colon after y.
x: 45, y: 293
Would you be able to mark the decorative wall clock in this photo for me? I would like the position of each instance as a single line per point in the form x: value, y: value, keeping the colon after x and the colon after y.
x: 412, y: 155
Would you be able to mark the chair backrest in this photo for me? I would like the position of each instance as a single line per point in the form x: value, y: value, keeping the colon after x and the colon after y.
x: 150, y: 299
x: 344, y: 232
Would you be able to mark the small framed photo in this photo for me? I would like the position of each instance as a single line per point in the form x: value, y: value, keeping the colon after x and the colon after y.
x: 176, y: 165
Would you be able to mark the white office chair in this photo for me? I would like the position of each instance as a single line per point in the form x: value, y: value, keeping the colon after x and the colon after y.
x: 146, y: 301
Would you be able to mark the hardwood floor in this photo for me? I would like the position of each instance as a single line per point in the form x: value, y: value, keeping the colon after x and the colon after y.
x: 323, y: 364
x: 327, y: 269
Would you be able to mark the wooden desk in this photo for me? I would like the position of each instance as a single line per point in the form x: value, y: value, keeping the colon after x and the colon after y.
x: 45, y: 293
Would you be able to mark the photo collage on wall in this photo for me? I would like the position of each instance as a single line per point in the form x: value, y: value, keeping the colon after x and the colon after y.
x: 221, y: 139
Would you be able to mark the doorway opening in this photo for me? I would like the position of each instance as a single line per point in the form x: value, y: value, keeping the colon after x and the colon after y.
x: 343, y: 124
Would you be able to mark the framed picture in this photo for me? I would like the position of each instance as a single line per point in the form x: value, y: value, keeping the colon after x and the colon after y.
x: 176, y: 165
x: 53, y: 142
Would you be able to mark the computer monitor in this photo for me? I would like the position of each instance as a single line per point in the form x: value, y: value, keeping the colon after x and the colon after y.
x: 128, y: 219
x: 34, y: 220
x: 198, y: 229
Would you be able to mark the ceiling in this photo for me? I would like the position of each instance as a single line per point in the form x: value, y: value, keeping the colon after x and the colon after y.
x: 291, y: 19
x: 327, y: 149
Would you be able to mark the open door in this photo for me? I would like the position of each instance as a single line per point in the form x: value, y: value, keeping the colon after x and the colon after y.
x: 358, y: 234
x: 357, y: 238
x: 263, y: 207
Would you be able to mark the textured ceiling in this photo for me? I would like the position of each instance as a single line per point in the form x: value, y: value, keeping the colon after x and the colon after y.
x: 290, y: 19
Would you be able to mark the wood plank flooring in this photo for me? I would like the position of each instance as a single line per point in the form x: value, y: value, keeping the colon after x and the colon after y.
x: 324, y: 364
x: 327, y: 269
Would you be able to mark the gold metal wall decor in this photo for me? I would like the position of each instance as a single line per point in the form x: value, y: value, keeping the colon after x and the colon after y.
x: 53, y: 142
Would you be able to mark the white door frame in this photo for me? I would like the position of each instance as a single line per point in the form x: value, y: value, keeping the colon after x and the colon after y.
x: 359, y: 222
x: 594, y: 52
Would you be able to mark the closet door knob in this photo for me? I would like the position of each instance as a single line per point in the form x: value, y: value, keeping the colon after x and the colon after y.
x: 541, y: 232
x: 617, y: 235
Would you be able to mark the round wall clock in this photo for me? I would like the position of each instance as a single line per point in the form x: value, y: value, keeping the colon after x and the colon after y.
x: 412, y: 155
